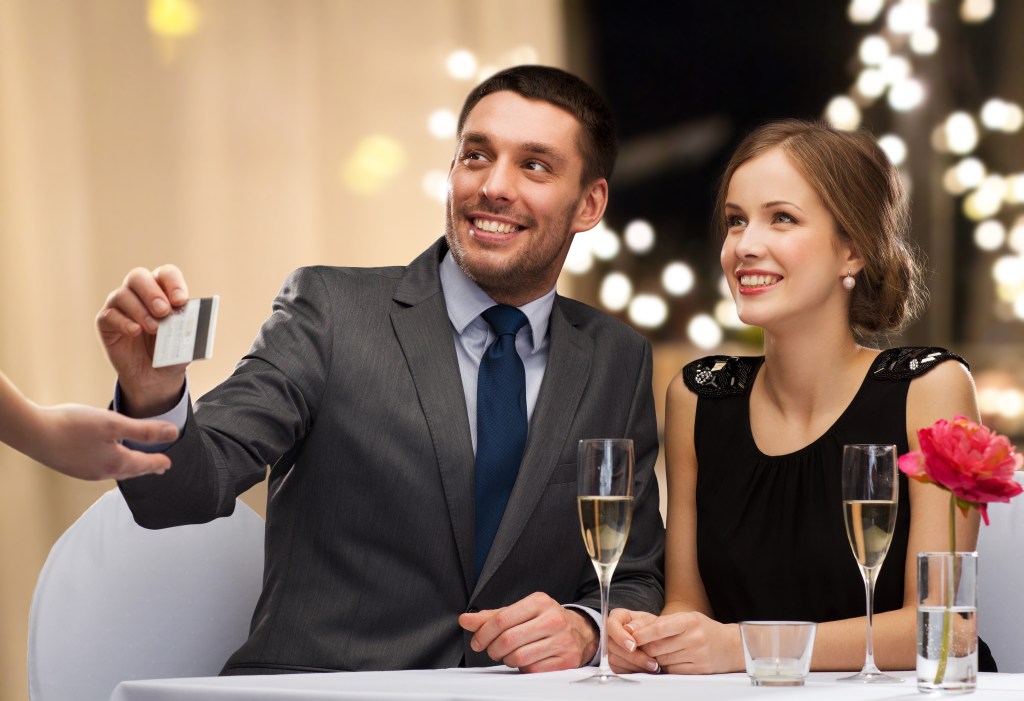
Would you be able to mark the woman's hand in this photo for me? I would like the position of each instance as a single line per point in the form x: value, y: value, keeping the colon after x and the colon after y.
x: 691, y: 643
x: 623, y: 652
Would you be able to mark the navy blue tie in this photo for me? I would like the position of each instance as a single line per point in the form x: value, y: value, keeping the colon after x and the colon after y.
x: 500, y: 425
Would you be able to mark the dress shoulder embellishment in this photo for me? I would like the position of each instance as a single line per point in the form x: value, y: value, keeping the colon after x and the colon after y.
x: 907, y: 363
x: 719, y: 376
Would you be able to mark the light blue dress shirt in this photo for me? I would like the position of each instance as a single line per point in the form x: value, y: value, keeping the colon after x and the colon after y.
x: 465, y: 302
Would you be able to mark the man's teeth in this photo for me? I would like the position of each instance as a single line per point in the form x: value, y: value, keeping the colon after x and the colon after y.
x: 496, y: 227
x: 757, y: 280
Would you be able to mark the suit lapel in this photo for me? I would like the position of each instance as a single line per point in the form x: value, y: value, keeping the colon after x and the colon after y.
x: 565, y: 378
x: 424, y: 333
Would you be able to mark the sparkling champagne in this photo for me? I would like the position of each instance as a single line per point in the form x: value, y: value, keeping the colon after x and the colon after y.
x: 869, y: 527
x: 605, y: 522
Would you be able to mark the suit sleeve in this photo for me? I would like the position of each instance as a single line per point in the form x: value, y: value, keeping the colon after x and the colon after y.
x: 639, y: 581
x: 254, y: 419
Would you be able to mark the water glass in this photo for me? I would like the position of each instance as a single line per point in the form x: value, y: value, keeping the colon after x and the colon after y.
x: 947, y: 622
x: 777, y: 653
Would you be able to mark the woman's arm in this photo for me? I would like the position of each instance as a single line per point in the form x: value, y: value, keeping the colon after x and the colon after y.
x: 684, y: 639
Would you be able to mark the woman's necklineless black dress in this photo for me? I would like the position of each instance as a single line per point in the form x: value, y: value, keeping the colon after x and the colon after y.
x: 771, y: 542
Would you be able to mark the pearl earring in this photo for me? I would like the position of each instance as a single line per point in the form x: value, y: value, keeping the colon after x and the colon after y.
x: 849, y: 282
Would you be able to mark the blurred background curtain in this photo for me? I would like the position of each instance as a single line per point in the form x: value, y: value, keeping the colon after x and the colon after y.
x: 238, y: 139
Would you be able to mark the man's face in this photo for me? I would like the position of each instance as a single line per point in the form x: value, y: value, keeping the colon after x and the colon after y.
x: 515, y: 198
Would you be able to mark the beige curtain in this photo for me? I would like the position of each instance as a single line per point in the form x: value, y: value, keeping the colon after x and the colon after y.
x: 236, y: 152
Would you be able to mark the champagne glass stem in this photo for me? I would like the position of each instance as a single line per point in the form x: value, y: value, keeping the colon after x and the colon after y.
x: 869, y: 595
x: 604, y: 576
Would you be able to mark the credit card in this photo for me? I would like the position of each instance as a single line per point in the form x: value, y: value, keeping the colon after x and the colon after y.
x: 186, y: 334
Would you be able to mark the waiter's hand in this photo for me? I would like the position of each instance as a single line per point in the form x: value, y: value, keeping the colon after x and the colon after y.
x: 84, y: 442
x: 535, y: 634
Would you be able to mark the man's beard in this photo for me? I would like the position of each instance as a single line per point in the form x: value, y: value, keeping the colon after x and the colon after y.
x: 529, y: 269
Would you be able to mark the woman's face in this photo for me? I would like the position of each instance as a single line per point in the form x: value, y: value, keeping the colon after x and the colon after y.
x: 782, y: 257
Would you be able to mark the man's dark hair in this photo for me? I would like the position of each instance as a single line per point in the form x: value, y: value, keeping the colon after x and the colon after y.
x: 597, y: 145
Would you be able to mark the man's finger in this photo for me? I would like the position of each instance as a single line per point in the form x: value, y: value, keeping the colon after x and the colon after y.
x: 472, y: 620
x: 501, y: 620
x: 112, y: 325
x: 128, y: 302
x: 172, y: 282
x: 143, y: 284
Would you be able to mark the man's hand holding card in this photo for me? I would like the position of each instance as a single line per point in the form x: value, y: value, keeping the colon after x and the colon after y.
x: 129, y: 326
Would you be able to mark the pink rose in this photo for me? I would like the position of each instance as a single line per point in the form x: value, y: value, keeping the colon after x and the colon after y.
x: 968, y: 459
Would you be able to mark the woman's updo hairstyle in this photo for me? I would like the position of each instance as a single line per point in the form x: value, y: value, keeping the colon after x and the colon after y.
x: 861, y: 188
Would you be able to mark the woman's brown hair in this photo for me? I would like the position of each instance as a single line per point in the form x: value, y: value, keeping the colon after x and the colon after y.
x: 861, y: 188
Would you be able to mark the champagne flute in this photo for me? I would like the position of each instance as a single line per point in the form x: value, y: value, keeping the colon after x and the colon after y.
x: 870, y: 493
x: 604, y: 481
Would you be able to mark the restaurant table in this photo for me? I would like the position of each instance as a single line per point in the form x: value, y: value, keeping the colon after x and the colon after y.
x: 504, y: 684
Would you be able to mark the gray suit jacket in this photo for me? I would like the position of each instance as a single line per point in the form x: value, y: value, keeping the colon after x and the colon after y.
x: 351, y: 393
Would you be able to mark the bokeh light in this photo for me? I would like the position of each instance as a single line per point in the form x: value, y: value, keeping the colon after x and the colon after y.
x: 648, y: 311
x: 895, y: 69
x: 616, y: 291
x: 376, y: 161
x: 843, y: 113
x: 173, y: 18
x: 874, y: 49
x: 864, y: 11
x: 961, y: 133
x: 871, y: 83
x: 907, y: 17
x: 604, y: 242
x: 677, y: 278
x: 639, y: 236
x: 974, y: 11
x: 895, y: 148
x: 461, y: 64
x: 725, y: 314
x: 442, y: 124
x: 1016, y: 238
x: 704, y: 332
x: 906, y: 95
x: 435, y: 185
x: 924, y: 41
x: 990, y: 235
x: 580, y: 259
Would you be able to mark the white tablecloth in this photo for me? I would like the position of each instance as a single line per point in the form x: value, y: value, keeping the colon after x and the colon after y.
x: 503, y: 684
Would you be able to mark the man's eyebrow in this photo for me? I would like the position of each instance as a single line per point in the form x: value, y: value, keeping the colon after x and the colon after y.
x: 535, y: 147
x: 546, y: 150
x: 475, y: 137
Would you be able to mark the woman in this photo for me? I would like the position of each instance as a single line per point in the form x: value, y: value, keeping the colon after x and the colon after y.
x: 816, y: 254
x: 81, y: 441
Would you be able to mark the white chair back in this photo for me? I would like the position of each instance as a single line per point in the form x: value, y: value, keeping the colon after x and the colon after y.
x: 1001, y: 582
x: 115, y: 601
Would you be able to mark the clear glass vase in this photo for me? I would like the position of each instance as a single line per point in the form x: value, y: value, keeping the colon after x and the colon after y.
x: 947, y: 622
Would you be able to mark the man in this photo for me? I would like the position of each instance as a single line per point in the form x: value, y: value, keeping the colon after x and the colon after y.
x: 413, y: 521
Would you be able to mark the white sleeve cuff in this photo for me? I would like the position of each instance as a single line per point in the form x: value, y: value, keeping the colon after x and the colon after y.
x: 177, y: 415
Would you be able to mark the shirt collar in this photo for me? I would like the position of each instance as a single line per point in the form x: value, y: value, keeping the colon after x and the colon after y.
x: 465, y: 302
